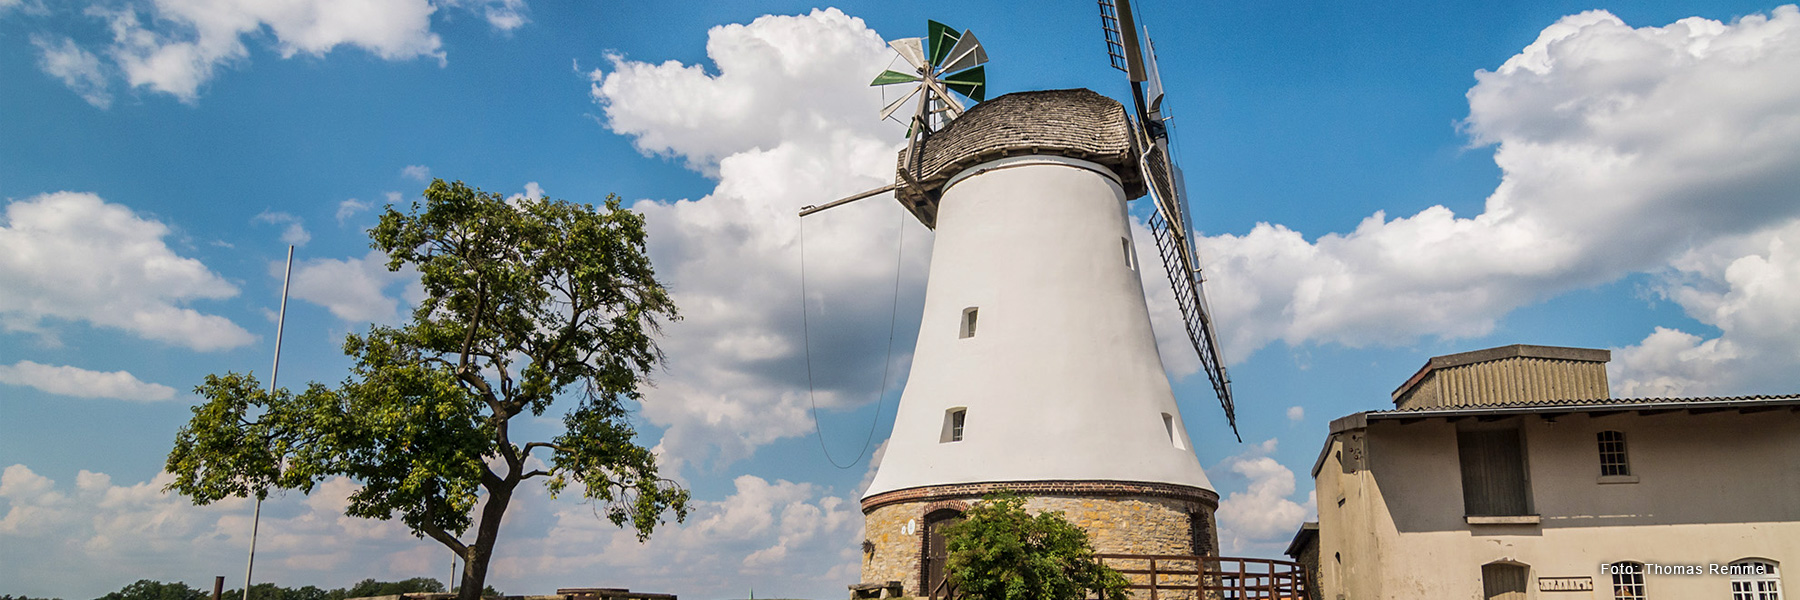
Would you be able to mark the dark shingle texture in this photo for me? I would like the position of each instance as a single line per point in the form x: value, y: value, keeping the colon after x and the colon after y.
x: 1076, y: 123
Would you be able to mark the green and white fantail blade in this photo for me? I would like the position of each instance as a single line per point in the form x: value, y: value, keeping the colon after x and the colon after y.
x: 911, y: 50
x: 942, y: 37
x: 895, y: 105
x: 967, y: 53
x: 893, y: 77
x: 971, y: 83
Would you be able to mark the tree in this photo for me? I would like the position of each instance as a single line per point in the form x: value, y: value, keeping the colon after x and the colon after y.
x: 146, y: 589
x: 527, y: 301
x: 1001, y: 552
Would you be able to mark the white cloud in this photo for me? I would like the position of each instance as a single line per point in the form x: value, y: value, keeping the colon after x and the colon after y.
x: 73, y: 256
x: 788, y: 120
x: 780, y: 80
x: 784, y: 539
x: 354, y: 289
x: 82, y: 383
x: 295, y: 233
x: 416, y: 172
x: 1261, y: 518
x: 175, y: 46
x: 349, y: 208
x: 77, y: 68
x: 532, y: 190
x: 1296, y: 413
x: 1619, y: 148
x: 1747, y: 287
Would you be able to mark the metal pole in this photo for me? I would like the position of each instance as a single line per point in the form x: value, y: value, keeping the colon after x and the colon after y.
x: 275, y: 371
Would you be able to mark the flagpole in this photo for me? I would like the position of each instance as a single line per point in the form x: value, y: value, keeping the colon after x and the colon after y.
x: 280, y: 322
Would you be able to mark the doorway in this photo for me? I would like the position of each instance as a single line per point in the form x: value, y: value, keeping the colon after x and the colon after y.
x: 936, y: 551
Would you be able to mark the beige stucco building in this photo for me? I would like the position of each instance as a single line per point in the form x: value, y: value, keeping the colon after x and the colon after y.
x: 1510, y: 473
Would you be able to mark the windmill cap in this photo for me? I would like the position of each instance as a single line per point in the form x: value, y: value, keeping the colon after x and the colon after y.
x: 1076, y: 123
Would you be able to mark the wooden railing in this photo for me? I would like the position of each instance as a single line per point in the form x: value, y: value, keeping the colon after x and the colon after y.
x: 945, y: 590
x: 1173, y: 577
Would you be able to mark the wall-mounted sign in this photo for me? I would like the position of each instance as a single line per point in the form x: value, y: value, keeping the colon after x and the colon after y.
x: 1565, y: 584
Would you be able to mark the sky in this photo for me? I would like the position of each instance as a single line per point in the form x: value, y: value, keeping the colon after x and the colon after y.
x: 1373, y: 184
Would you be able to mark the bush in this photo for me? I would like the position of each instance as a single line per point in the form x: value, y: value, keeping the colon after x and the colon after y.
x: 1001, y: 552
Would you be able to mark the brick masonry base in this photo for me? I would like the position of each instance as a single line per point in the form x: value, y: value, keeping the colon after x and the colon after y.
x: 1119, y: 517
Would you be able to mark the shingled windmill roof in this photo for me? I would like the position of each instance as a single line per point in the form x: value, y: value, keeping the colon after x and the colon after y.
x: 1077, y: 123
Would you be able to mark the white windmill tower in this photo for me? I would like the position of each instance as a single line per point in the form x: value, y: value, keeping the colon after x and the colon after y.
x: 1036, y: 369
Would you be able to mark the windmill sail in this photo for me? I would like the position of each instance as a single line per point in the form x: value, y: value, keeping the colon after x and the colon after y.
x: 1170, y: 225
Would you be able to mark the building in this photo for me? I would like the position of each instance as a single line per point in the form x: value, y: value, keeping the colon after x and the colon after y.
x: 1510, y: 473
x: 1036, y: 369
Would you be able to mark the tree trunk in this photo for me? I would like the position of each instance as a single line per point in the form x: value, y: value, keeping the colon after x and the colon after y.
x: 475, y: 564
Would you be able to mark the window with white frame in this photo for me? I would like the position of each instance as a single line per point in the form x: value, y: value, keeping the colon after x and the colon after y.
x: 1628, y: 581
x: 1755, y: 579
x: 953, y: 425
x: 1613, y: 461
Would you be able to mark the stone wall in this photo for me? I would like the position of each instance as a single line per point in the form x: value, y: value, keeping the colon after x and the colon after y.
x: 1115, y: 523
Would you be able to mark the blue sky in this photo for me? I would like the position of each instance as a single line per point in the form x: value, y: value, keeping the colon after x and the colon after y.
x: 1376, y: 184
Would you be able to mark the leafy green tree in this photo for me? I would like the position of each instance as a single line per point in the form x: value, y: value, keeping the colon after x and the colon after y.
x: 526, y: 302
x: 371, y: 587
x: 147, y: 589
x: 1001, y: 552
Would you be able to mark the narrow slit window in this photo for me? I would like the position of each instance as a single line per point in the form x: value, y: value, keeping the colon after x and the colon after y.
x: 1169, y: 426
x: 968, y: 322
x: 1126, y: 244
x: 953, y: 425
x: 1613, y: 460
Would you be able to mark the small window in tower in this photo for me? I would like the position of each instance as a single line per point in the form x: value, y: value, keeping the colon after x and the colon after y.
x: 968, y: 323
x: 1612, y: 454
x: 953, y: 425
x: 1126, y: 244
x: 1169, y: 426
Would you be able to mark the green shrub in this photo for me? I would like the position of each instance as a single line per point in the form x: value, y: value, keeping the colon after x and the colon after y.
x: 1001, y: 552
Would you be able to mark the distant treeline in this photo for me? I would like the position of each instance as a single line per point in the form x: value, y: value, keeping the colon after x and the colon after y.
x: 146, y: 589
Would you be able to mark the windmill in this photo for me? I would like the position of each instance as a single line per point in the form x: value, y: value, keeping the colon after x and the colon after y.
x: 1170, y: 224
x: 1036, y: 368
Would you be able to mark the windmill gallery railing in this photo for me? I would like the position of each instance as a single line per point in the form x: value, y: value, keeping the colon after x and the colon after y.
x: 1179, y: 577
x: 1176, y: 577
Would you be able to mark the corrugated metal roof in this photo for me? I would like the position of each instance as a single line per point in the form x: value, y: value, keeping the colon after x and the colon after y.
x: 1623, y: 403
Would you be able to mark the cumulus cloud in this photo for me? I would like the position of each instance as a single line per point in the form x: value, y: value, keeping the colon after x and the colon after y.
x: 416, y: 172
x: 349, y: 208
x: 774, y: 535
x: 787, y: 120
x: 1296, y: 413
x: 295, y: 233
x: 82, y: 383
x: 1261, y: 518
x: 353, y: 289
x: 770, y: 535
x: 75, y: 67
x: 1620, y: 148
x: 1749, y: 289
x: 176, y: 46
x: 72, y: 256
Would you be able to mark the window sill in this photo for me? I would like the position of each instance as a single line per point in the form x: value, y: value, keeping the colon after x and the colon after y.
x: 1606, y: 479
x: 1502, y: 520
